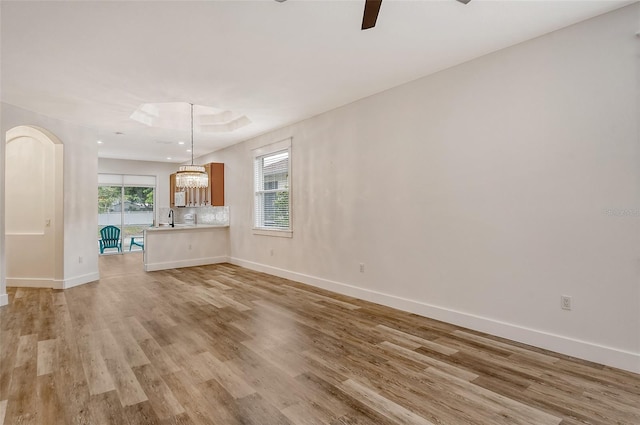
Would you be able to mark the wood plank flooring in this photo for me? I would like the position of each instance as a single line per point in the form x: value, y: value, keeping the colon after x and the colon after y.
x: 225, y: 345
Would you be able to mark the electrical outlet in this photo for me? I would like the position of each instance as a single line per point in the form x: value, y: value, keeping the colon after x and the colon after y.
x: 80, y: 259
x: 189, y: 246
x: 565, y: 302
x: 361, y: 267
x: 271, y: 252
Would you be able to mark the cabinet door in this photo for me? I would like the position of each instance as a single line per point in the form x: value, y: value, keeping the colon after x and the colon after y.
x: 216, y: 183
x: 172, y: 190
x: 206, y: 193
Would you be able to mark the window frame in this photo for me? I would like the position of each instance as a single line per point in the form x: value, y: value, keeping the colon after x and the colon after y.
x: 259, y: 153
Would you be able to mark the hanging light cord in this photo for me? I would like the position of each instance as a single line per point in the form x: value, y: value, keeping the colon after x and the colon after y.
x: 191, y: 133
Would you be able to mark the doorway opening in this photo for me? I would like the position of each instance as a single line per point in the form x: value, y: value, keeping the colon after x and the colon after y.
x: 126, y: 207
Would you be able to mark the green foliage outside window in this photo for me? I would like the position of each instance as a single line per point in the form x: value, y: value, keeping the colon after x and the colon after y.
x: 137, y: 198
x: 108, y: 196
x: 281, y: 205
x: 140, y: 198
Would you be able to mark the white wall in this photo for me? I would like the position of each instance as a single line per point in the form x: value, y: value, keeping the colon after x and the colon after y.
x: 80, y: 192
x: 478, y: 195
x: 4, y: 299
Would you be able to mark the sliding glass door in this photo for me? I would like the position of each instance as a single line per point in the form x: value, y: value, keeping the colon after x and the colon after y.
x: 138, y: 214
x: 109, y: 215
x: 127, y: 203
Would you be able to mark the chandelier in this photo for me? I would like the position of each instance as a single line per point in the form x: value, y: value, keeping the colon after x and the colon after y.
x: 192, y: 176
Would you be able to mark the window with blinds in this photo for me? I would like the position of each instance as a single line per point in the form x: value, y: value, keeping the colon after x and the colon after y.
x: 272, y: 210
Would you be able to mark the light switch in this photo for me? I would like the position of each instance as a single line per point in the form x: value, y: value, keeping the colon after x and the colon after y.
x: 47, y: 222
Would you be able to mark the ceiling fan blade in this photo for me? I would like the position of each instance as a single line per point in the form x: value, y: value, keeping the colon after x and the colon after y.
x: 464, y: 1
x: 371, y: 9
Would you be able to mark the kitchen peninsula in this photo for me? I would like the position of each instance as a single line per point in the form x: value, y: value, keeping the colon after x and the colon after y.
x: 188, y: 244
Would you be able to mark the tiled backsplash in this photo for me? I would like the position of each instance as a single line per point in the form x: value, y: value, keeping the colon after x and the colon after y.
x: 199, y: 215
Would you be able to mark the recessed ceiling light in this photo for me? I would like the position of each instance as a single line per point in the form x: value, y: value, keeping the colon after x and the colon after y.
x: 99, y: 142
x: 181, y: 143
x: 168, y: 157
x: 188, y: 150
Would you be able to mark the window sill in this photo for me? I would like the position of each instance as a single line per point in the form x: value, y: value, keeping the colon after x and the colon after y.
x: 276, y: 233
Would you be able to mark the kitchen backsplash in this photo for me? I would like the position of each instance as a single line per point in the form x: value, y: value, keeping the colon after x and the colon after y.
x: 196, y: 215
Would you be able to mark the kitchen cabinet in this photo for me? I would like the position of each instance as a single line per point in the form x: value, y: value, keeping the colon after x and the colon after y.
x: 216, y: 183
x: 172, y: 190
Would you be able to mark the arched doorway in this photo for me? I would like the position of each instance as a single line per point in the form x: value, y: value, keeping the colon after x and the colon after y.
x: 34, y: 225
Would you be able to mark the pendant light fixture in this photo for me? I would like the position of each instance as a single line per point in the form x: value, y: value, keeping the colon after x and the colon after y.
x: 192, y: 176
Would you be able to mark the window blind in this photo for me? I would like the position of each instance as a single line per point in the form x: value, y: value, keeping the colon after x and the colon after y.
x: 126, y: 180
x: 271, y: 182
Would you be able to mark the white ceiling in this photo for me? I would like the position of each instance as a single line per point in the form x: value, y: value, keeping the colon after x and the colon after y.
x: 94, y: 63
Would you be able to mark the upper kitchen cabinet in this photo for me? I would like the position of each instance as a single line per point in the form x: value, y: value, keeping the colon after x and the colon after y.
x: 172, y: 190
x: 216, y: 183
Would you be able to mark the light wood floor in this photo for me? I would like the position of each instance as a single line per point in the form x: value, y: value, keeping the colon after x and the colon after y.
x: 225, y: 345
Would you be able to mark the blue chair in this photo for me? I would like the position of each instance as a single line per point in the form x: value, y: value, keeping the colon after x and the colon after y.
x: 110, y: 238
x: 139, y: 242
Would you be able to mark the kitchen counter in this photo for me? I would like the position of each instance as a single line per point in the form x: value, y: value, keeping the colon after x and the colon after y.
x: 167, y: 247
x: 163, y: 228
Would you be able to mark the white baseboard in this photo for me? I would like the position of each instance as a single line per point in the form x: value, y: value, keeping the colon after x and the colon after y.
x: 25, y: 282
x: 4, y: 299
x: 561, y: 344
x: 192, y: 262
x: 80, y: 280
x: 52, y: 283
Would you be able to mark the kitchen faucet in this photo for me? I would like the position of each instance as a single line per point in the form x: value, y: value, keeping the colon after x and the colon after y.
x: 171, y: 217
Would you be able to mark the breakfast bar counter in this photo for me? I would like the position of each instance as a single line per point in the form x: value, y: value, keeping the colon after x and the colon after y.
x: 169, y: 247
